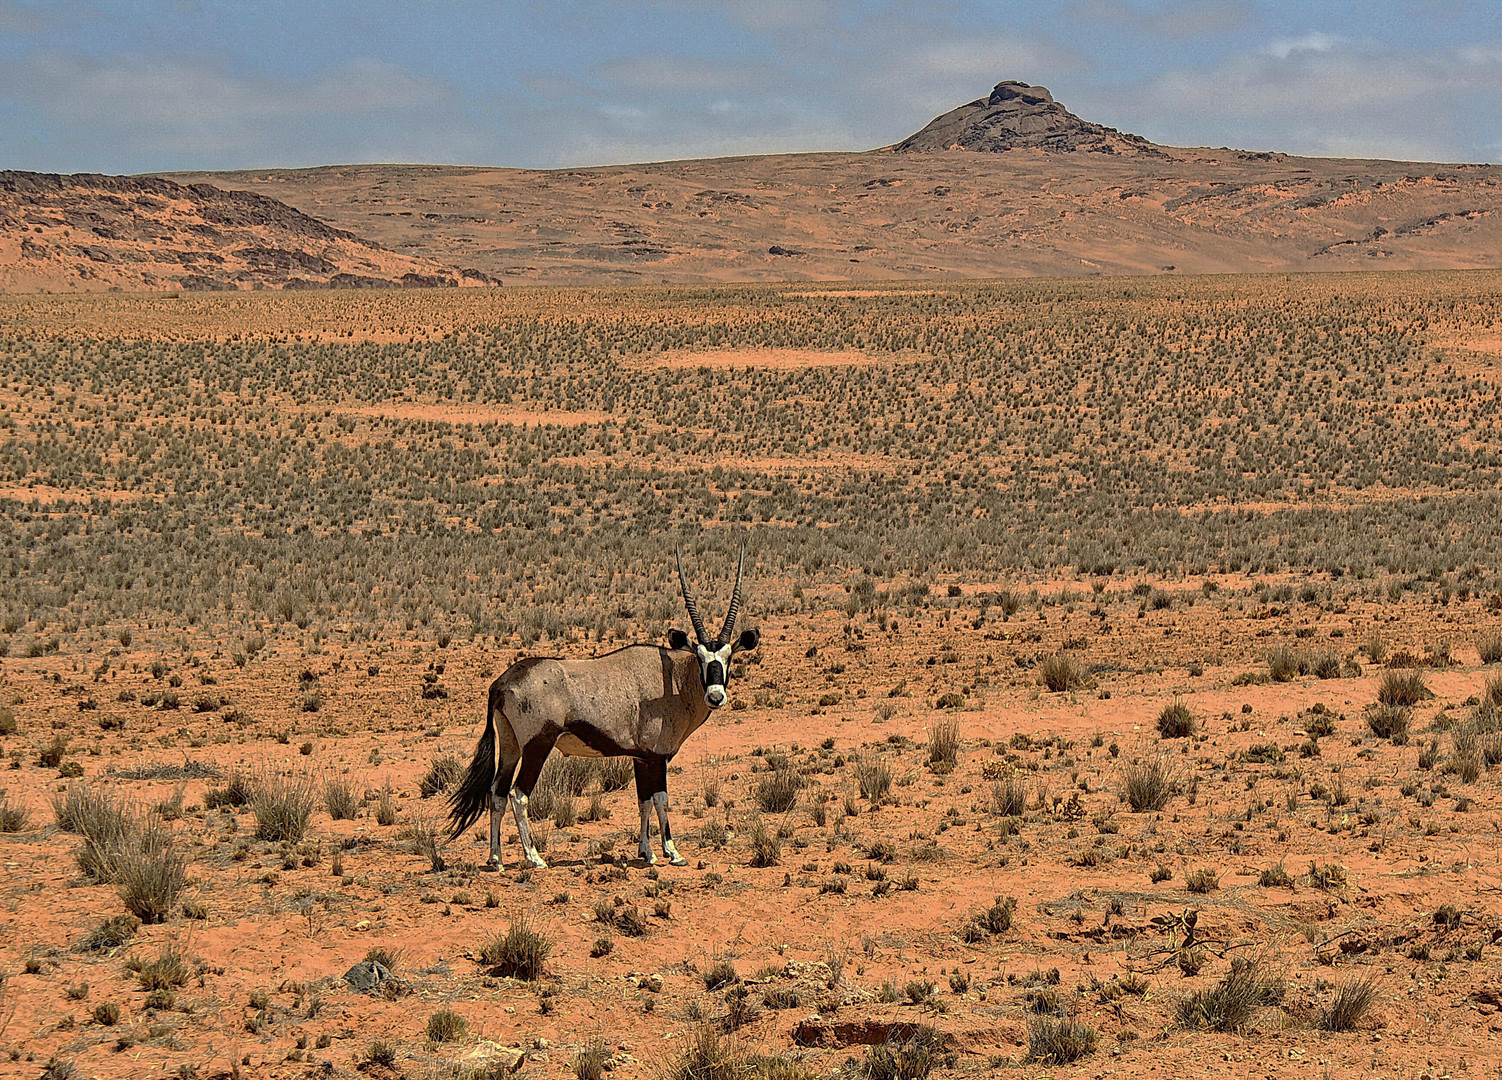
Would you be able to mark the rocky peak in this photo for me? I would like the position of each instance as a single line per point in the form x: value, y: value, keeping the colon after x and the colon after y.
x: 1020, y: 116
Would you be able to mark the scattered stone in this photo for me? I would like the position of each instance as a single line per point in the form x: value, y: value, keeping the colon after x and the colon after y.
x: 369, y: 976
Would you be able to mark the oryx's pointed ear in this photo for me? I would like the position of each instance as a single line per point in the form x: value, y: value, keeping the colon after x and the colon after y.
x: 677, y: 639
x: 748, y: 640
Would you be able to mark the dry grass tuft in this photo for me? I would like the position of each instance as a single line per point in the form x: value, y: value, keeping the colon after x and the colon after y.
x: 1055, y: 1040
x: 777, y: 791
x: 149, y: 872
x: 1388, y: 721
x: 445, y: 1025
x: 765, y: 849
x: 520, y: 953
x: 282, y: 805
x: 138, y: 855
x: 1148, y: 784
x: 238, y: 788
x: 909, y: 1057
x: 943, y: 744
x: 1403, y: 688
x: 709, y: 1055
x: 1231, y: 1004
x: 444, y: 772
x: 1176, y: 721
x: 1009, y: 797
x: 1060, y: 672
x: 1349, y: 1006
x: 873, y: 777
x: 339, y: 799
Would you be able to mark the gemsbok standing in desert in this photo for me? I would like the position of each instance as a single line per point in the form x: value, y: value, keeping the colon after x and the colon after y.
x: 641, y: 702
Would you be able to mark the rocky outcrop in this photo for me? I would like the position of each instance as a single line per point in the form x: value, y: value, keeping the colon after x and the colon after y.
x: 90, y: 232
x: 1018, y: 116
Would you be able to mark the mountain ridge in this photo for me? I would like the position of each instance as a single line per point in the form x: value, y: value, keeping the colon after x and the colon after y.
x: 1010, y: 185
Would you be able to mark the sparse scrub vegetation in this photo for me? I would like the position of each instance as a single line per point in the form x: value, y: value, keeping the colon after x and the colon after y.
x: 361, y: 508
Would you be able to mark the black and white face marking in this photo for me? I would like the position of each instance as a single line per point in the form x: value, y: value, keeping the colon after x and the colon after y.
x: 714, y: 672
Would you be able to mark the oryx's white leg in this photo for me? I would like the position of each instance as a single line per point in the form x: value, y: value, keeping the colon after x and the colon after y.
x: 660, y: 800
x: 497, y: 808
x: 644, y: 849
x: 519, y: 812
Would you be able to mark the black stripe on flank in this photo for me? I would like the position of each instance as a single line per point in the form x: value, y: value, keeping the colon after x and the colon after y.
x: 598, y: 741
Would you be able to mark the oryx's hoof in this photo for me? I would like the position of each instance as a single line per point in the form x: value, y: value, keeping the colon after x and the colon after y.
x: 677, y: 860
x: 646, y: 857
x: 537, y: 862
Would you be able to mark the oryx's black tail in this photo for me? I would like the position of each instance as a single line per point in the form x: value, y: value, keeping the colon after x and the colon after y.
x: 472, y: 797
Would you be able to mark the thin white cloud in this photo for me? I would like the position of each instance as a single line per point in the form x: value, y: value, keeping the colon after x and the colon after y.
x: 661, y: 73
x: 170, y: 91
x: 1479, y: 54
x: 182, y: 113
x: 887, y: 75
x: 689, y: 78
x: 1323, y: 95
x: 1314, y: 42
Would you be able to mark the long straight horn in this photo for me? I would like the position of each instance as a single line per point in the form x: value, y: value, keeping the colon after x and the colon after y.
x: 693, y: 608
x: 735, y: 600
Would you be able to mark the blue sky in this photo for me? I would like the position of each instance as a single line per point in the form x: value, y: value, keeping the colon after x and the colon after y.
x: 103, y: 86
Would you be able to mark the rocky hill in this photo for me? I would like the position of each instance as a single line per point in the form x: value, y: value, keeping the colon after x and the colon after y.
x: 1019, y: 117
x: 88, y: 232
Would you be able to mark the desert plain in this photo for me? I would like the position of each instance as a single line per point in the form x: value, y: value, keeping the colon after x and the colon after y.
x: 1128, y: 697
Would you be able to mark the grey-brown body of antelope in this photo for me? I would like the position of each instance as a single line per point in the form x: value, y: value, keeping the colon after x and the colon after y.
x: 641, y: 702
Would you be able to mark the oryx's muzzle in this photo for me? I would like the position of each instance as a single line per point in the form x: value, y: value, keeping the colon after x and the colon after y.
x: 714, y: 666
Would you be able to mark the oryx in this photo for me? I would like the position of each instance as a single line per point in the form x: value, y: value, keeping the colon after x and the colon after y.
x: 640, y: 702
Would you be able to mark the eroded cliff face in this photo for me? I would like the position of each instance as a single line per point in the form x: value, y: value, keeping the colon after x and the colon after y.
x: 89, y: 232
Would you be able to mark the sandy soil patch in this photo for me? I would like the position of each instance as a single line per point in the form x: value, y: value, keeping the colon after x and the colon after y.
x: 772, y: 359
